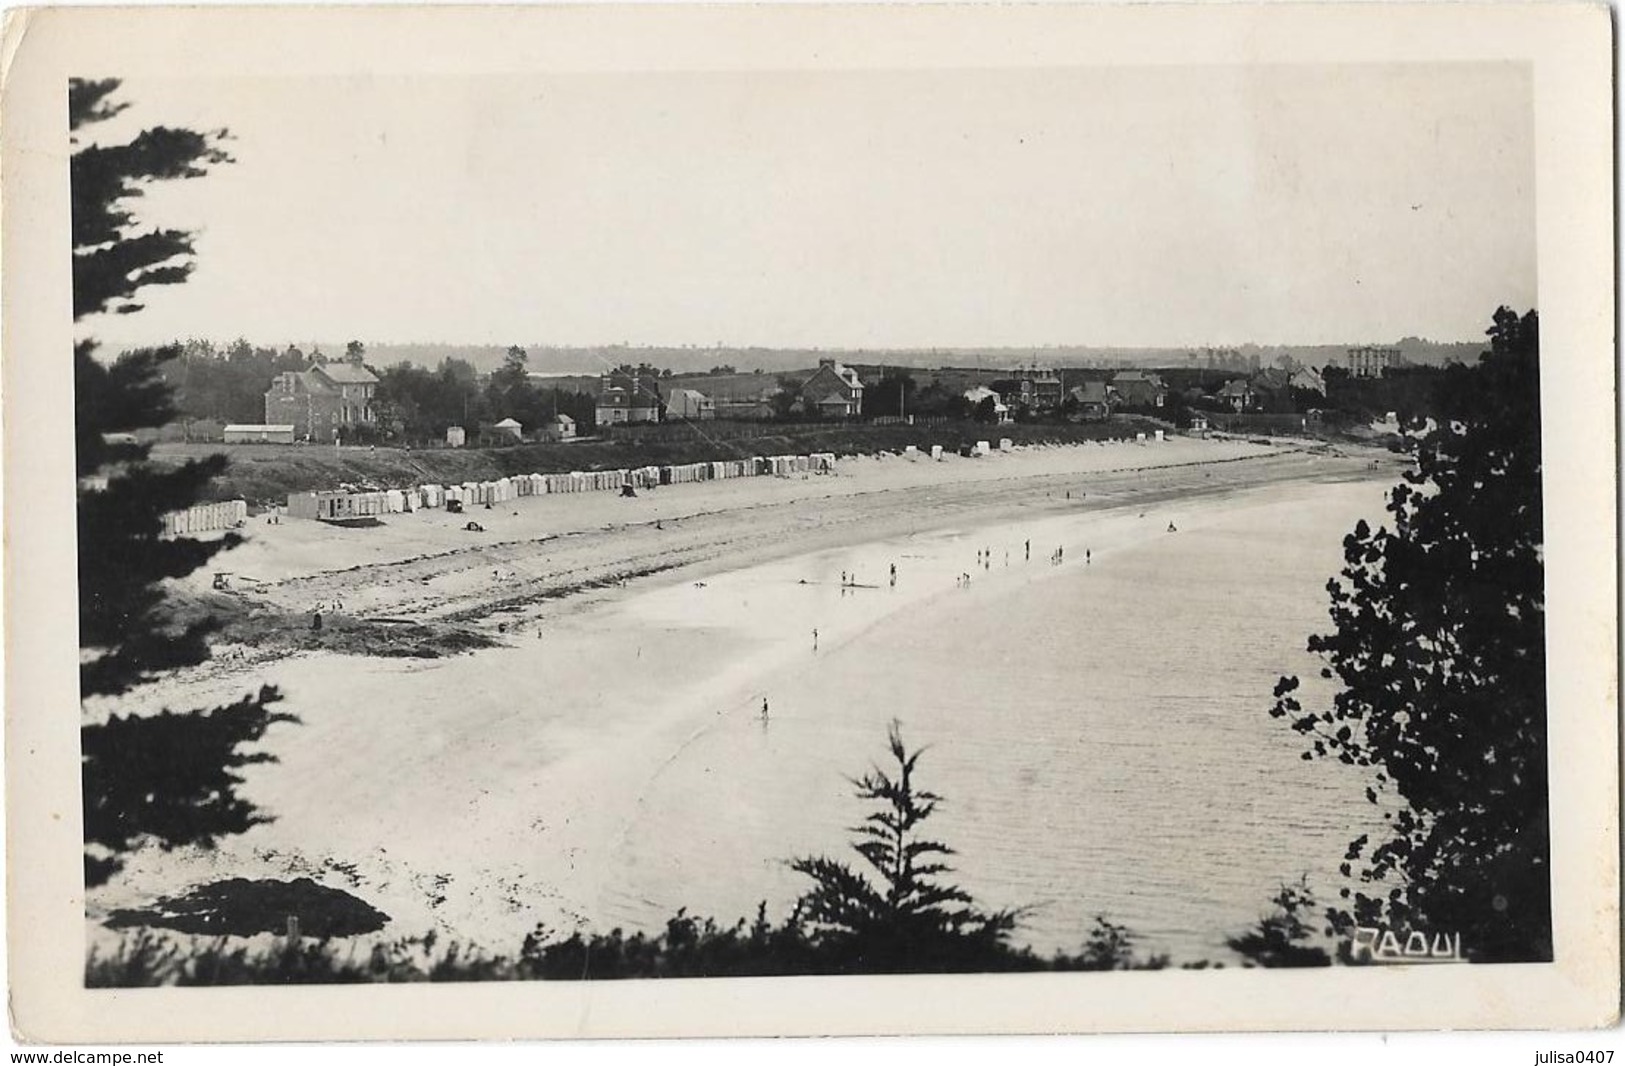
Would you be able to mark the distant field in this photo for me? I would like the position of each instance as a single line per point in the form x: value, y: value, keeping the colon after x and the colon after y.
x: 265, y: 473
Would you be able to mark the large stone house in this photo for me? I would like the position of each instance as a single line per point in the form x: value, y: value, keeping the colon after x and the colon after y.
x: 625, y: 397
x: 833, y: 391
x: 323, y: 402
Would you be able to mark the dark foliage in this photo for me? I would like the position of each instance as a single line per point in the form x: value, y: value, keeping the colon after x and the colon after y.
x: 1439, y: 652
x: 900, y: 917
x: 892, y: 395
x: 111, y: 261
x: 1284, y: 937
x: 168, y: 777
x: 416, y: 404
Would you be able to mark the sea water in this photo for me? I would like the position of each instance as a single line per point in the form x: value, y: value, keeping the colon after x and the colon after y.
x: 1096, y: 726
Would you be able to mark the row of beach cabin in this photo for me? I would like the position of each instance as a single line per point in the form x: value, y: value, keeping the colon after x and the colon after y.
x: 339, y: 505
x: 206, y: 518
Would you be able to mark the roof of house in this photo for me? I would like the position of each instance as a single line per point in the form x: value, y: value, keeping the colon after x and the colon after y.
x: 508, y: 423
x: 306, y: 380
x: 691, y: 395
x: 1126, y: 377
x: 564, y: 420
x: 1091, y: 392
x: 347, y: 374
x: 246, y: 427
x: 1235, y: 387
x: 615, y: 396
x: 843, y: 373
x: 982, y: 392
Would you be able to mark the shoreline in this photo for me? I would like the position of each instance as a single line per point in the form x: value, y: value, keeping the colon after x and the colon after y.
x: 418, y: 589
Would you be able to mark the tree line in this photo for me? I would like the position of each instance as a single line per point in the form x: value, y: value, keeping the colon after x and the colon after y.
x: 413, y: 404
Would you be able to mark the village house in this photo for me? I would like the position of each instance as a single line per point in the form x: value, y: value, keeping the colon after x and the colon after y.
x: 1139, y: 388
x: 1238, y: 394
x: 323, y: 402
x: 1308, y: 379
x: 559, y: 428
x: 1001, y: 411
x: 833, y: 391
x: 627, y: 397
x: 507, y: 430
x: 690, y: 406
x: 1033, y: 390
x: 1092, y: 401
x: 747, y: 408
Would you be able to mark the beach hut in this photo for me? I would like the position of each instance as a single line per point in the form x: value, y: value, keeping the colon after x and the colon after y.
x: 1005, y: 444
x: 983, y: 448
x: 1139, y: 438
x: 1159, y: 435
x: 936, y: 452
x: 394, y: 501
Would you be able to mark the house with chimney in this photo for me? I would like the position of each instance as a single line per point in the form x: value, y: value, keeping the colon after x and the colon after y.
x: 626, y: 397
x: 833, y: 391
x: 324, y: 401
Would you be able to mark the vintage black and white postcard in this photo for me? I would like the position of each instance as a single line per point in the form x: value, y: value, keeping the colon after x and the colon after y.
x: 625, y: 521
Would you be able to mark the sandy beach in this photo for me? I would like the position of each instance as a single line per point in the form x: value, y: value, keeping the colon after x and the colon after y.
x: 540, y: 555
x: 540, y: 780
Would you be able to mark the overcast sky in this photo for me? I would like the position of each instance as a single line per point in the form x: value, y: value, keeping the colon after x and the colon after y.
x: 1144, y: 206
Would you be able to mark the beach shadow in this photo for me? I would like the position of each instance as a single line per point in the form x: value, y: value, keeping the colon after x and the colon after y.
x: 239, y: 907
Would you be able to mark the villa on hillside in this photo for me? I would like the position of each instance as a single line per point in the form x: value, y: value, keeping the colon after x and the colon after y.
x: 323, y: 401
x: 833, y: 391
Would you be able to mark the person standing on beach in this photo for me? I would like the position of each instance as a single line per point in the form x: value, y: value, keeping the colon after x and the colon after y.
x: 764, y: 708
x: 815, y: 639
x: 1027, y: 548
x: 893, y: 575
x: 1088, y: 557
